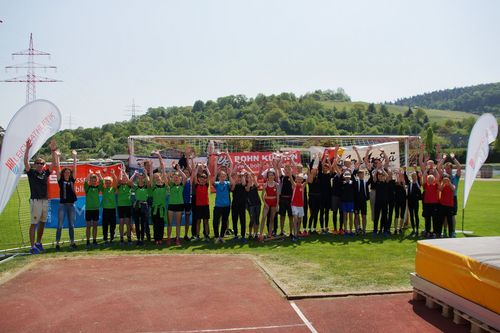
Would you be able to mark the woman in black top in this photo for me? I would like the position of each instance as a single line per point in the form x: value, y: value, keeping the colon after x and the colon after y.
x: 399, y: 202
x: 67, y: 199
x: 380, y: 184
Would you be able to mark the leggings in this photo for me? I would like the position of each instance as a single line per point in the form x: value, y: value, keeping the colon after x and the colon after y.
x: 140, y: 212
x: 254, y: 212
x: 324, y: 212
x: 399, y: 209
x: 380, y: 209
x: 413, y: 210
x: 67, y: 209
x: 238, y: 211
x: 336, y: 207
x: 390, y: 210
x: 108, y: 220
x: 220, y: 212
x: 446, y: 212
x: 158, y: 224
x: 314, y: 206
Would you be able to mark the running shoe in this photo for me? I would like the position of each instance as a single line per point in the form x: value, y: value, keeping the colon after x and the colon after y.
x: 39, y: 246
x: 73, y: 246
x: 58, y: 247
x: 34, y: 250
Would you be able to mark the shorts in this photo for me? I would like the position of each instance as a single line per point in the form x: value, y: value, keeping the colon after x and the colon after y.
x: 298, y: 211
x: 285, y: 206
x: 347, y: 207
x: 360, y: 207
x: 187, y: 207
x: 176, y: 208
x: 92, y: 215
x: 124, y: 212
x: 39, y: 210
x: 203, y: 212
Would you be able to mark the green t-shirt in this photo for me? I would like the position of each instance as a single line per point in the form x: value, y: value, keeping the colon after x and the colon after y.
x: 92, y: 196
x: 141, y: 193
x: 124, y: 195
x: 108, y: 197
x: 176, y: 194
x: 159, y: 194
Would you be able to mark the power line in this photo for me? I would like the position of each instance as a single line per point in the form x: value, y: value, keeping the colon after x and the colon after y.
x: 133, y: 110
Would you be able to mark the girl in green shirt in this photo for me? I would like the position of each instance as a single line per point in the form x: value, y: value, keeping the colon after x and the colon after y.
x: 141, y: 208
x: 124, y: 189
x: 175, y: 203
x: 92, y: 186
x: 108, y: 203
x: 159, y: 196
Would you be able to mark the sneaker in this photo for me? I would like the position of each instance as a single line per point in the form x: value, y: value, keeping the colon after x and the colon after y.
x: 177, y: 242
x: 236, y: 238
x: 453, y: 235
x: 87, y: 246
x: 34, y: 250
x: 244, y: 240
x: 73, y: 246
x: 39, y: 246
x: 195, y: 239
x: 168, y: 241
x: 58, y: 247
x: 207, y: 239
x: 186, y: 238
x: 94, y: 243
x: 341, y: 231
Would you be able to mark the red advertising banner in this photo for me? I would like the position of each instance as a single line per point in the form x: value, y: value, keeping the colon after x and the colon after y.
x: 258, y: 162
x: 81, y: 173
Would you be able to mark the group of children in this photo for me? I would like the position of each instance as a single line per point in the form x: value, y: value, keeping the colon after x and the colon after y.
x: 305, y: 195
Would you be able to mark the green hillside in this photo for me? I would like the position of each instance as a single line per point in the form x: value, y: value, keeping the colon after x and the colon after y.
x: 476, y: 99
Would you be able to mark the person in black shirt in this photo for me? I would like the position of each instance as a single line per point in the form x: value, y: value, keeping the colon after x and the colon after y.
x: 238, y: 205
x: 361, y: 196
x: 325, y: 177
x: 314, y: 199
x: 399, y: 202
x: 380, y: 184
x: 414, y: 197
x: 39, y: 203
x: 253, y: 203
x: 67, y: 199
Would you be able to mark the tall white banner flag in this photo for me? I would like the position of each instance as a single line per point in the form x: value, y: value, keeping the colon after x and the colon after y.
x: 38, y: 121
x: 483, y: 133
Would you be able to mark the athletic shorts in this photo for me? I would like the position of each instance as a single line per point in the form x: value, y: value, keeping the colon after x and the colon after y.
x: 298, y: 211
x: 39, y: 210
x: 187, y: 207
x: 92, y: 215
x: 202, y: 212
x: 176, y: 208
x: 124, y: 212
x: 285, y: 206
x: 347, y: 207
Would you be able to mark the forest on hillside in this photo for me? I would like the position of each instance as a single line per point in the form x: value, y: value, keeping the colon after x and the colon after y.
x: 281, y: 114
x: 476, y: 99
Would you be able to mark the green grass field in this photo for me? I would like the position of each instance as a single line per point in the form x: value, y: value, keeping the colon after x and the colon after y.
x: 438, y: 116
x: 322, y: 263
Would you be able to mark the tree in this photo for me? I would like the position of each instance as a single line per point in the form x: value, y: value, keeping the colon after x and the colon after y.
x: 429, y: 141
x: 384, y: 111
x: 371, y: 108
x: 409, y: 112
x: 198, y: 106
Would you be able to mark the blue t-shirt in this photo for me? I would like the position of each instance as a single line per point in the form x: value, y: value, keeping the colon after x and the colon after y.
x: 454, y: 180
x: 222, y: 194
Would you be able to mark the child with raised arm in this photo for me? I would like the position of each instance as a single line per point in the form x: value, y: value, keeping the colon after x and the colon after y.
x: 253, y: 202
x: 297, y: 205
x: 238, y: 205
x: 400, y: 196
x: 159, y: 195
x: 141, y: 206
x: 92, y: 186
x: 176, y: 203
x: 414, y: 196
x: 108, y: 203
x: 222, y: 203
x: 270, y: 197
x: 314, y: 195
x: 125, y: 205
x: 202, y: 203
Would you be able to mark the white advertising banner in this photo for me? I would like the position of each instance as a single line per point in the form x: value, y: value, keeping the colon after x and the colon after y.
x: 391, y: 149
x: 483, y: 133
x: 38, y: 121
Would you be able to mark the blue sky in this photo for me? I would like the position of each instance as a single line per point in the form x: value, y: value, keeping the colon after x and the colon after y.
x: 164, y: 53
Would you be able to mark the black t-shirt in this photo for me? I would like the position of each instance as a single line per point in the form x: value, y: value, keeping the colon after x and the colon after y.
x: 239, y: 195
x: 400, y: 193
x: 382, y: 189
x: 38, y: 183
x: 338, y: 183
x: 253, y: 198
x: 315, y: 187
x: 348, y: 190
x: 286, y: 186
x: 67, y: 190
x: 325, y: 183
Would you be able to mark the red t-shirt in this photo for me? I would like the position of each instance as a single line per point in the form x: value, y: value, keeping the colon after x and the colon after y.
x: 446, y: 196
x: 431, y: 194
x: 202, y: 195
x: 298, y: 196
x: 271, y: 195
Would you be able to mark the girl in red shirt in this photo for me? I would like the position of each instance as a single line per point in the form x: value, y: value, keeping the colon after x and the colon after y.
x: 270, y: 198
x: 446, y: 204
x: 297, y: 205
x: 431, y: 203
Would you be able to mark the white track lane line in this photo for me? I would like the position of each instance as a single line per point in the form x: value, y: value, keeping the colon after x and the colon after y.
x: 304, y: 319
x: 233, y: 329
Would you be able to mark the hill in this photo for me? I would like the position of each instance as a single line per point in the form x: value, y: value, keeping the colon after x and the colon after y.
x: 318, y: 113
x: 476, y: 99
